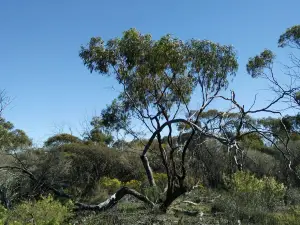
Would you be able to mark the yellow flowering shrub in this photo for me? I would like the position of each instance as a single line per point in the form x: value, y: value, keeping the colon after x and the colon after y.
x: 161, y: 179
x: 134, y: 184
x: 110, y: 184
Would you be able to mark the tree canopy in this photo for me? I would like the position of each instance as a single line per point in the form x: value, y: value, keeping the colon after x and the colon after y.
x: 11, y: 138
x: 159, y: 74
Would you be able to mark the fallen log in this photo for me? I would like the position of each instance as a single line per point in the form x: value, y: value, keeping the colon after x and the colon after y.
x: 113, y: 200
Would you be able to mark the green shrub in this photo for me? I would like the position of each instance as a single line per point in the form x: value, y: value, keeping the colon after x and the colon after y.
x: 153, y: 193
x: 43, y: 212
x: 161, y: 180
x: 250, y: 188
x: 134, y: 184
x: 251, y: 199
x: 110, y: 184
x: 98, y: 195
x: 293, y: 196
x: 3, y: 214
x: 290, y: 217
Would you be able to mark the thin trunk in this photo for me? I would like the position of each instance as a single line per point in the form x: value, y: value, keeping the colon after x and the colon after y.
x: 148, y: 170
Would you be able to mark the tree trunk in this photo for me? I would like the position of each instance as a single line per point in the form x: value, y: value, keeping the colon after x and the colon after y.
x: 172, y: 195
x: 113, y: 200
x: 149, y: 172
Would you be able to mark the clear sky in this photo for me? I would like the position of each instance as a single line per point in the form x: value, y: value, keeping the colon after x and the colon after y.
x: 40, y: 41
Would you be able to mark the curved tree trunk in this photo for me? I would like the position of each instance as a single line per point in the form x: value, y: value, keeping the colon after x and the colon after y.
x: 114, y: 199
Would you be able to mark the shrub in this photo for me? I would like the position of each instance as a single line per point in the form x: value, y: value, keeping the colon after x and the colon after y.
x: 110, y: 184
x: 290, y: 217
x: 161, y: 180
x: 3, y: 214
x: 153, y: 193
x: 134, y: 184
x: 43, y: 212
x: 89, y: 163
x: 262, y: 164
x: 251, y: 199
x: 293, y: 196
x: 266, y: 189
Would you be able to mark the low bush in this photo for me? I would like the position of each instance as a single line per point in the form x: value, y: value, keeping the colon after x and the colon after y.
x: 251, y: 199
x: 110, y: 184
x: 134, y: 184
x: 161, y: 180
x: 3, y: 214
x: 43, y: 212
x: 289, y: 217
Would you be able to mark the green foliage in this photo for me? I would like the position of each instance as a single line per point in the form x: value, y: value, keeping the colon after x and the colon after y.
x: 113, y: 184
x: 3, y: 214
x: 110, y: 184
x: 296, y: 97
x: 208, y: 162
x: 280, y: 127
x: 107, y: 186
x: 164, y: 71
x: 262, y: 163
x: 211, y: 61
x: 258, y: 64
x: 157, y: 76
x: 250, y: 198
x: 252, y: 141
x: 11, y: 138
x: 155, y: 193
x: 293, y: 196
x: 114, y: 117
x: 43, y: 212
x: 61, y: 139
x: 291, y: 37
x: 267, y: 188
x: 89, y: 163
x: 287, y: 217
x: 98, y: 134
x: 161, y: 180
x: 134, y: 184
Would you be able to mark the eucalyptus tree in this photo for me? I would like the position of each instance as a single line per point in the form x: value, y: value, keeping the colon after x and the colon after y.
x: 286, y: 90
x: 261, y: 66
x: 98, y: 134
x: 61, y: 139
x: 12, y: 139
x: 158, y: 79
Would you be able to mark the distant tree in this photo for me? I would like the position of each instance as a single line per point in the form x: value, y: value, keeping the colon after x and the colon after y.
x: 12, y: 139
x: 280, y: 131
x: 261, y: 66
x: 61, y: 139
x: 98, y: 134
x: 253, y: 141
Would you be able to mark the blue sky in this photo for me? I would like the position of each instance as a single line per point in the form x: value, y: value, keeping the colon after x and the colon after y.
x: 40, y: 41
